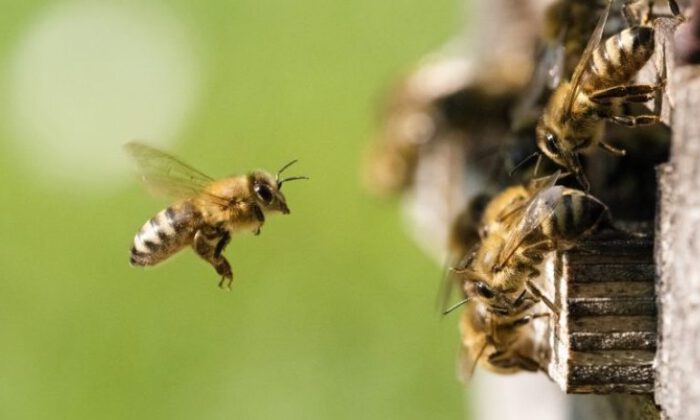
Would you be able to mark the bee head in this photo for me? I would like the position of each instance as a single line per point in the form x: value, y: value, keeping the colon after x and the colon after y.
x: 476, y: 285
x: 266, y: 193
x: 550, y: 143
x: 279, y: 181
x: 267, y: 189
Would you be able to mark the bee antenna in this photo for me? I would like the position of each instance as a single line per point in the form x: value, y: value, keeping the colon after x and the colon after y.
x: 455, y: 306
x: 537, y: 165
x: 277, y: 177
x: 523, y: 162
x: 291, y: 178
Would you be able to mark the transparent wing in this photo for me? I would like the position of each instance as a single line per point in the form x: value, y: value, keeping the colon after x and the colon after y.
x: 509, y: 215
x: 540, y: 207
x: 468, y: 361
x: 166, y: 175
x: 544, y: 182
x: 593, y: 43
x: 553, y: 64
x: 547, y: 76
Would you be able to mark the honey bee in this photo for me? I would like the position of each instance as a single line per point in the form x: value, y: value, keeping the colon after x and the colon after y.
x: 500, y: 343
x: 598, y: 90
x: 519, y: 227
x: 567, y: 26
x: 207, y: 211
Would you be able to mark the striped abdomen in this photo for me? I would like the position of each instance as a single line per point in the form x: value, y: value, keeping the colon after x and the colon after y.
x: 618, y: 59
x: 576, y: 214
x: 164, y: 234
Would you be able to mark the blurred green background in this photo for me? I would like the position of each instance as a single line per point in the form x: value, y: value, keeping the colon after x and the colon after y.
x: 332, y: 313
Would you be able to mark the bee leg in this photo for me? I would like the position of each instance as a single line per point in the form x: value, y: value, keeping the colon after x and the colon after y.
x: 634, y: 121
x: 221, y: 245
x: 539, y: 315
x: 521, y: 300
x: 624, y: 92
x: 535, y: 250
x: 209, y: 244
x: 611, y: 149
x: 498, y: 358
x: 260, y: 217
x: 526, y: 363
x: 538, y: 293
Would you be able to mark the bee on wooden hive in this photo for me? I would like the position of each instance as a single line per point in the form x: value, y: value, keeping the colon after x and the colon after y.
x: 599, y: 90
x: 519, y: 226
x: 207, y: 211
x: 500, y: 343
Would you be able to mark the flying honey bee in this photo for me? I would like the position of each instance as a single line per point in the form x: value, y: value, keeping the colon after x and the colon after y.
x: 500, y: 343
x: 519, y: 227
x: 598, y: 90
x: 207, y: 211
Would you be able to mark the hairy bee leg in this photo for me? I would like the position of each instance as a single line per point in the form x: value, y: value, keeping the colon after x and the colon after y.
x: 540, y: 315
x: 522, y: 298
x: 606, y: 96
x: 529, y: 364
x: 499, y: 358
x: 538, y: 293
x: 209, y: 244
x: 260, y: 216
x: 634, y: 121
x: 477, y: 359
x: 507, y: 360
x: 221, y: 245
x: 532, y: 251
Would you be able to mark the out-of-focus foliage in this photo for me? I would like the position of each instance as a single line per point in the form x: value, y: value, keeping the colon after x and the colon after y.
x: 331, y: 314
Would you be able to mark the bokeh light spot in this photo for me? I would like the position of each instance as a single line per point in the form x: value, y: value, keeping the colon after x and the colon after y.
x: 86, y: 77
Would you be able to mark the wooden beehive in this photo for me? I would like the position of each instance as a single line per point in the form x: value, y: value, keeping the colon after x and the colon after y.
x: 603, y: 337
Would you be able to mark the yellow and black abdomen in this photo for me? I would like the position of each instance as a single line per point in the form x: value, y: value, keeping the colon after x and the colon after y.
x: 576, y: 214
x: 164, y: 234
x: 618, y: 59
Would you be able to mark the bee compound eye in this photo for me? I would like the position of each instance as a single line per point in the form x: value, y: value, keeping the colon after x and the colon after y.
x: 552, y: 143
x: 484, y: 291
x: 263, y: 191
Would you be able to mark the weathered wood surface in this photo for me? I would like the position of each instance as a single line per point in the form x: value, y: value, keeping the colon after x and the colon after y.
x: 604, y: 336
x: 678, y: 254
x: 613, y: 407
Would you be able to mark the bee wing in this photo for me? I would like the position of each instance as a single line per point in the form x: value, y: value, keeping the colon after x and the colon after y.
x: 510, y: 212
x: 540, y: 207
x: 593, y: 42
x: 542, y: 183
x: 166, y: 175
x: 468, y: 360
x: 553, y: 64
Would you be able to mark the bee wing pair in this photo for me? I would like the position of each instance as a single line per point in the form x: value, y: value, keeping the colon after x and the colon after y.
x: 166, y: 175
x: 547, y: 76
x: 544, y: 200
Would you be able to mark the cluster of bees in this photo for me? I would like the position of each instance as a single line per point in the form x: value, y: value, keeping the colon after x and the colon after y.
x: 569, y: 147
